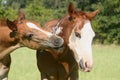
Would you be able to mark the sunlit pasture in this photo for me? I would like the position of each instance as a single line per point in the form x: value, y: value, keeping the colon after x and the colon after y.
x: 106, y: 64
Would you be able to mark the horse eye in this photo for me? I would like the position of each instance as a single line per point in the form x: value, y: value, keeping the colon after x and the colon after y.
x: 70, y: 18
x: 30, y: 36
x: 77, y: 35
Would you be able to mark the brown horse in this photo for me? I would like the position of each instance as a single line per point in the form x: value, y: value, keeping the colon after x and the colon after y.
x: 76, y: 30
x: 20, y: 33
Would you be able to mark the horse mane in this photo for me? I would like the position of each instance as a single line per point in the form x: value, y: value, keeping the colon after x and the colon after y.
x: 3, y: 22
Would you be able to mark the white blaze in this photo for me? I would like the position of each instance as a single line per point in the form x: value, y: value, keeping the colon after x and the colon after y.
x: 82, y: 46
x: 31, y: 25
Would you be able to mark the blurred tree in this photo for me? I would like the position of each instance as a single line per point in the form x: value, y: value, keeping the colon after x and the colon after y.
x: 35, y: 10
x: 106, y: 24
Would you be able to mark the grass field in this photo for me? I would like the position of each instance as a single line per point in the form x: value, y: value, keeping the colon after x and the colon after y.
x: 106, y: 64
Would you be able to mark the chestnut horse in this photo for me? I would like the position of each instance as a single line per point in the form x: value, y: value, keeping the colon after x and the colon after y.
x: 76, y: 30
x: 21, y: 33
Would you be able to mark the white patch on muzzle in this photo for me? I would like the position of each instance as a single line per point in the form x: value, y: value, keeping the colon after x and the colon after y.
x: 32, y: 25
x: 82, y: 46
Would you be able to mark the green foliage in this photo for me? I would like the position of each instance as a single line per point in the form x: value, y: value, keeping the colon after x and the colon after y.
x: 9, y: 13
x: 38, y: 13
x: 106, y: 60
x: 106, y: 24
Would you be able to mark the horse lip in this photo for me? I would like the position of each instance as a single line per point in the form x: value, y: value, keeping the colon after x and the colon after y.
x: 87, y: 70
x: 59, y: 47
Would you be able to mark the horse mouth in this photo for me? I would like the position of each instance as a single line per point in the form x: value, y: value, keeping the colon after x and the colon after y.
x: 59, y: 47
x: 83, y: 66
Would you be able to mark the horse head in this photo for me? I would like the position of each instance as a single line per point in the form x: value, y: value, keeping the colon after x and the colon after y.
x: 76, y: 30
x: 29, y: 34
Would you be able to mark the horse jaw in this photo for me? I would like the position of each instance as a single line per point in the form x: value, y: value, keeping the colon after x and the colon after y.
x: 82, y: 46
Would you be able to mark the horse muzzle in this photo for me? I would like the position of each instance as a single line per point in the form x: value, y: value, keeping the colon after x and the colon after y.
x: 85, y: 66
x: 57, y: 41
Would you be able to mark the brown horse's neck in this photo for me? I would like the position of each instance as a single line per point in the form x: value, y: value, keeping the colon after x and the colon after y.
x: 5, y: 50
x: 8, y: 50
x: 7, y: 44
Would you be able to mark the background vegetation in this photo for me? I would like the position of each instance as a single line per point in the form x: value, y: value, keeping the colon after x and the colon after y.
x: 106, y: 64
x: 106, y: 24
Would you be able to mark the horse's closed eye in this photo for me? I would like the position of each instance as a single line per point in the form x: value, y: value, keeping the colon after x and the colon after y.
x: 30, y: 36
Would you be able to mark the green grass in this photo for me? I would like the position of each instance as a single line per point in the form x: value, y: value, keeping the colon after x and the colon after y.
x: 24, y: 65
x: 106, y: 64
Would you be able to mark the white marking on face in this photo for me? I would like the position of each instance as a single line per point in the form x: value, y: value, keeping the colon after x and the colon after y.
x: 32, y: 25
x: 82, y: 46
x: 57, y: 30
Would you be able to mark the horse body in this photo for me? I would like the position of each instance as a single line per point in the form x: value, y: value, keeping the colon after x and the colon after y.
x: 60, y: 68
x: 76, y: 30
x: 22, y: 33
x: 57, y: 64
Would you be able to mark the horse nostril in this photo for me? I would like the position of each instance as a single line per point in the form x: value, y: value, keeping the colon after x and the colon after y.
x: 58, y: 42
x: 81, y: 64
x: 86, y: 64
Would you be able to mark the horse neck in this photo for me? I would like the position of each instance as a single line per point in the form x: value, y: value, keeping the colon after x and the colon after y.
x: 8, y: 50
x: 2, y: 22
x: 7, y: 44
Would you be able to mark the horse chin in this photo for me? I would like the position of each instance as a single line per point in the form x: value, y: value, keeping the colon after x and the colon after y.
x: 85, y: 66
x: 59, y: 47
x: 85, y: 69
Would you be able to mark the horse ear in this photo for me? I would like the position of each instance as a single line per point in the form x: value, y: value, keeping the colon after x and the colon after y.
x: 11, y: 25
x: 92, y: 14
x: 71, y: 8
x: 21, y: 15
